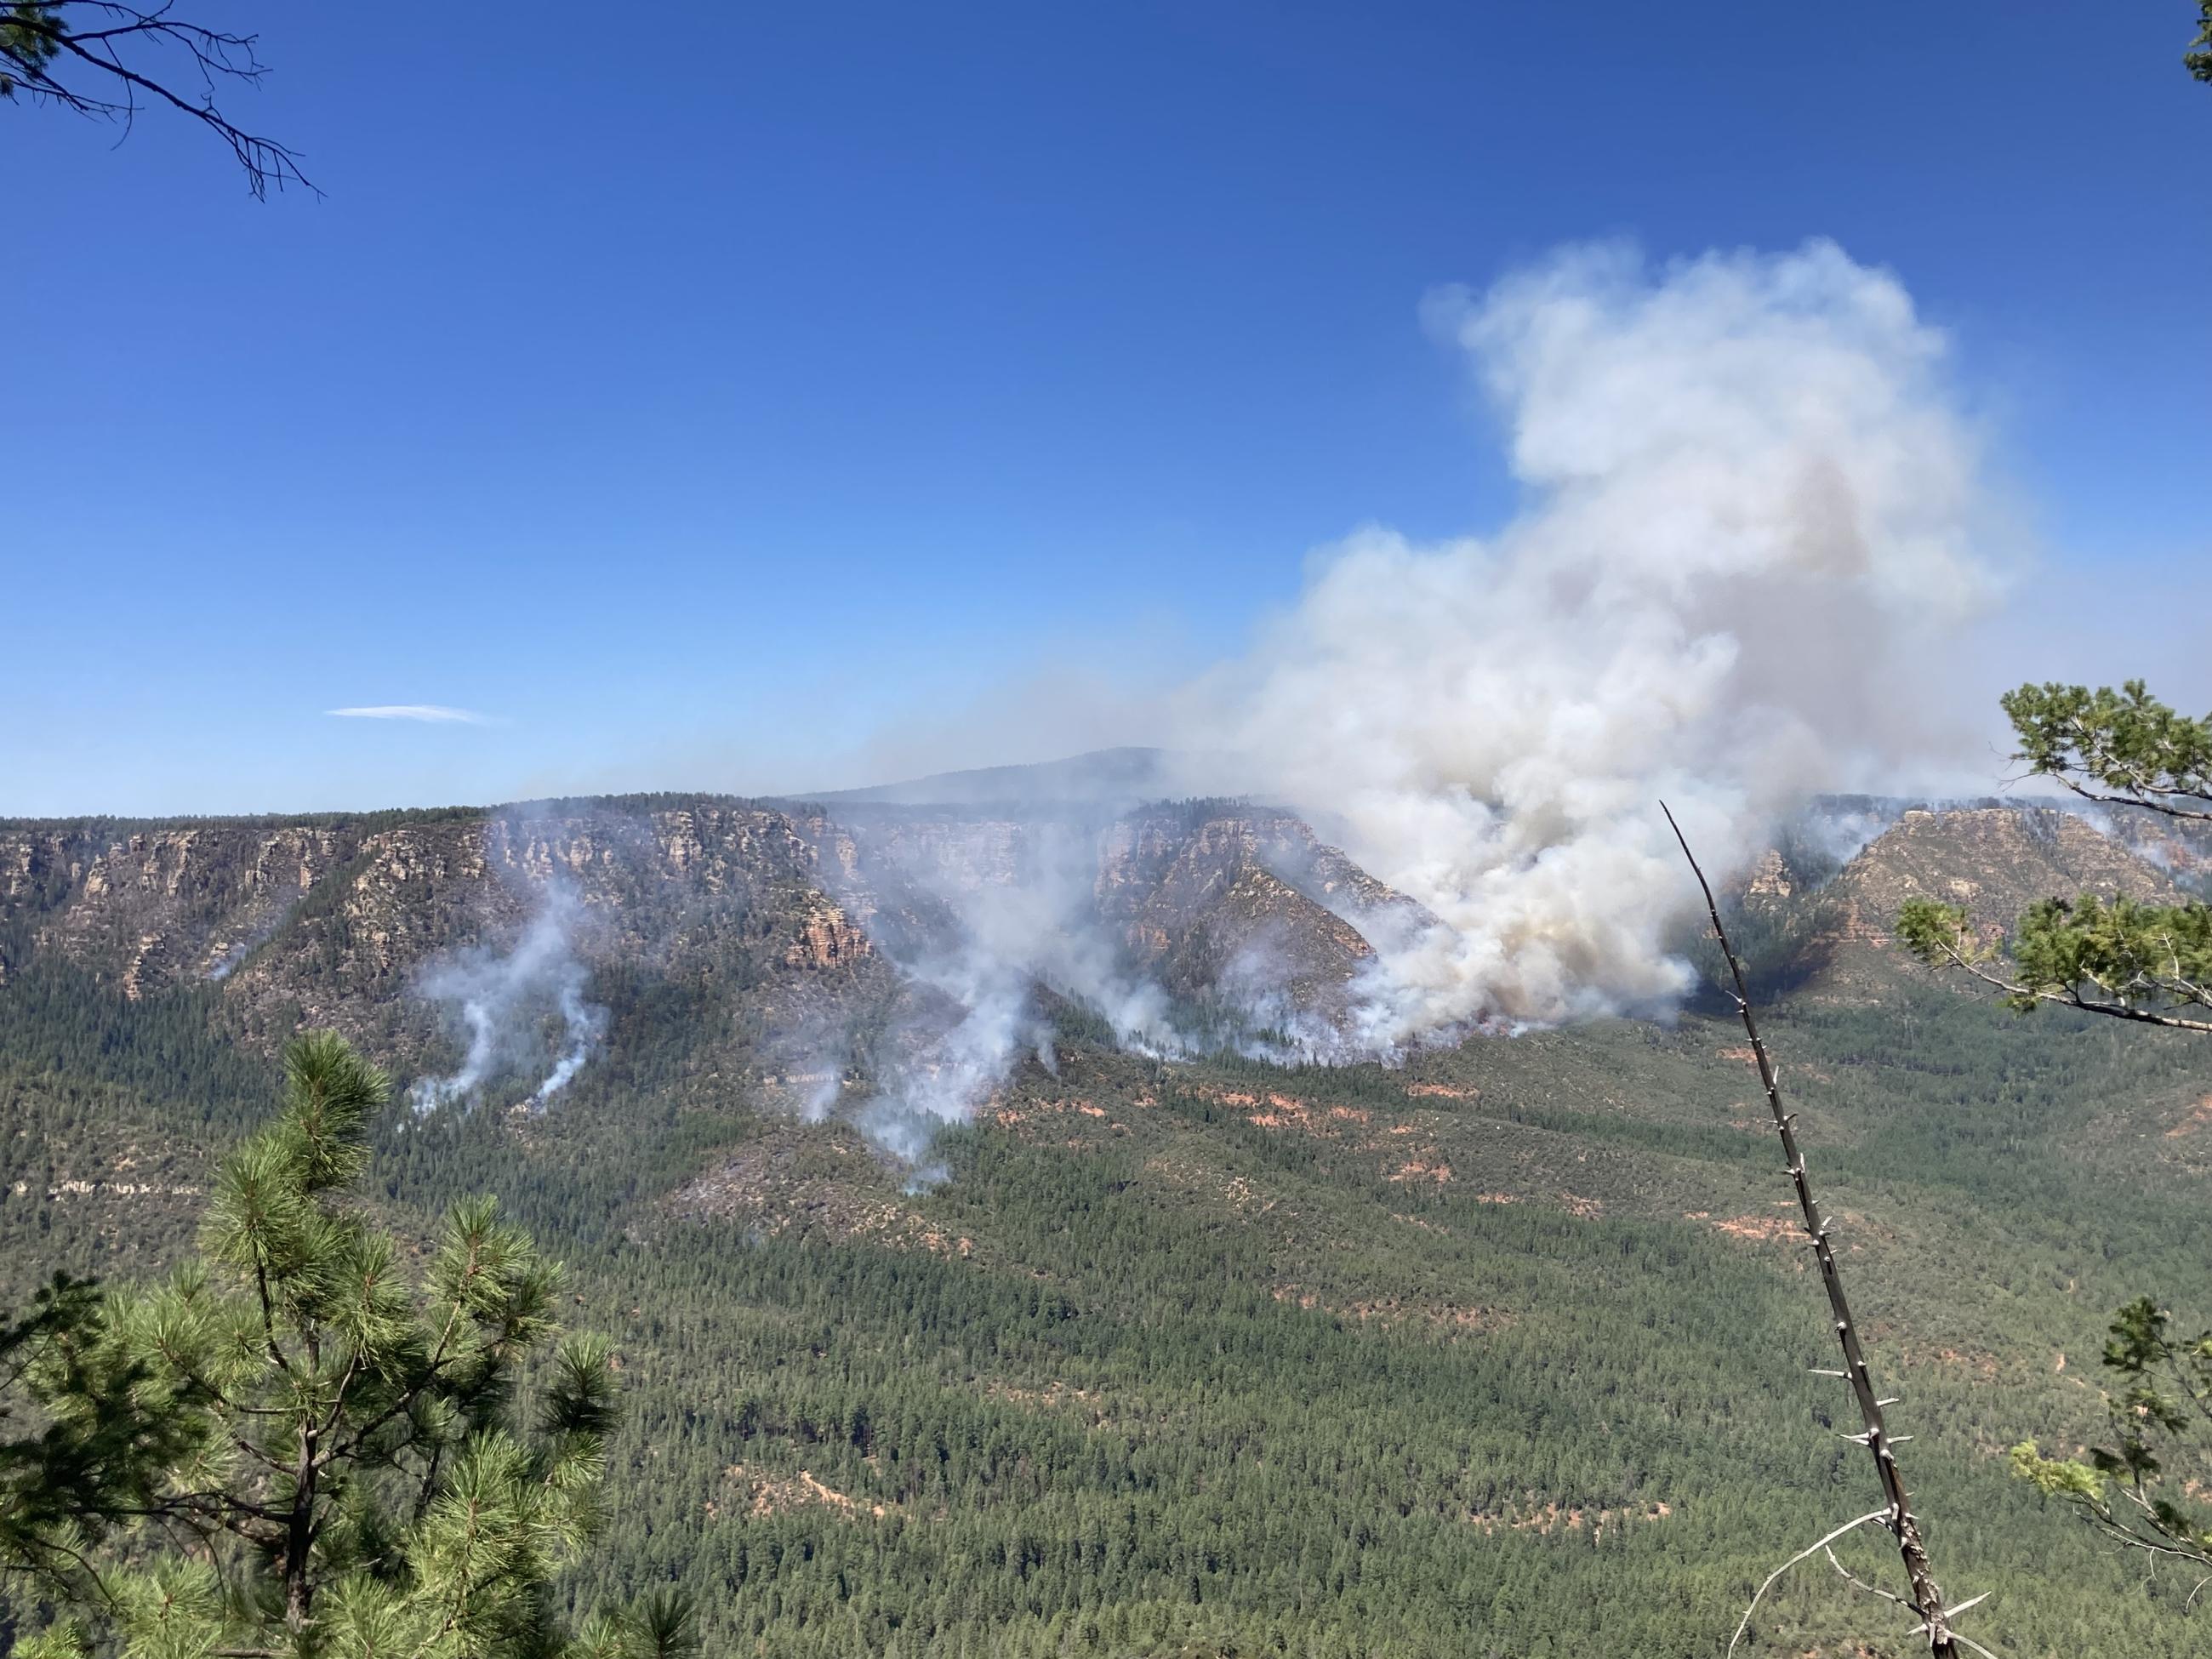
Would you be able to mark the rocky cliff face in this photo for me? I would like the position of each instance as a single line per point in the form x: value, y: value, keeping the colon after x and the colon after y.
x: 762, y: 918
x: 1205, y: 898
x: 1243, y: 901
x: 1813, y: 919
x: 2180, y: 848
x: 1994, y: 860
x: 154, y: 906
x: 779, y: 916
x: 334, y: 921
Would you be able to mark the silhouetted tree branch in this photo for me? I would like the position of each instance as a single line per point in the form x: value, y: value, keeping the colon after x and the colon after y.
x: 107, y: 61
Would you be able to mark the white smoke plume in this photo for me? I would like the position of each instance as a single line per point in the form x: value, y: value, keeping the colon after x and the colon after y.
x: 502, y: 997
x: 1754, y: 513
x: 1753, y: 508
x: 1029, y: 929
x: 804, y: 1064
x: 948, y: 1076
x: 1836, y: 833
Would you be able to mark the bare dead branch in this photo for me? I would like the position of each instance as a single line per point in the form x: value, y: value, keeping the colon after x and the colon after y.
x: 39, y: 48
x: 1872, y: 1517
x: 1927, y: 1597
x: 1859, y: 1584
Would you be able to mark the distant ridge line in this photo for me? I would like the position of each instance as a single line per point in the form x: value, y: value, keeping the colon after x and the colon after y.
x: 1125, y: 775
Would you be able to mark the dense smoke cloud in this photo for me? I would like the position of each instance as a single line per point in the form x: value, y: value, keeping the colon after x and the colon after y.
x: 1754, y: 510
x: 502, y: 997
x: 1754, y: 517
x: 1754, y: 513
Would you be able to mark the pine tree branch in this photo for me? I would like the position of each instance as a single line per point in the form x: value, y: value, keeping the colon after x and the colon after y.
x: 465, y: 1588
x: 345, y: 1387
x: 252, y: 1506
x: 399, y: 1407
x: 183, y: 1368
x: 2073, y: 998
x: 76, y: 1559
x: 2143, y: 792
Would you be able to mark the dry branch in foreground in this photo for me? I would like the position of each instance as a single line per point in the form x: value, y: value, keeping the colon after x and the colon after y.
x: 1896, y: 1516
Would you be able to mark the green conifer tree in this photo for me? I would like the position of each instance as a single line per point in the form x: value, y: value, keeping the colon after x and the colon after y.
x: 2147, y: 963
x: 301, y: 1443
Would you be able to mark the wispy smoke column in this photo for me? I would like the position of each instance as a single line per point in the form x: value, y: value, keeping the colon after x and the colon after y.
x: 224, y: 965
x: 495, y: 994
x: 945, y: 1079
x: 586, y: 1025
x: 1014, y: 936
x: 1754, y: 507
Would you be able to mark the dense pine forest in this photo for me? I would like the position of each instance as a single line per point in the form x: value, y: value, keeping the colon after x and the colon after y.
x: 1503, y: 1352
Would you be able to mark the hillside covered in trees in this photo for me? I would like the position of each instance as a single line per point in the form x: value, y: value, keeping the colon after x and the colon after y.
x: 1502, y: 1350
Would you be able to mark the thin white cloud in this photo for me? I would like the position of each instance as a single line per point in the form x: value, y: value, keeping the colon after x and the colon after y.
x: 431, y: 713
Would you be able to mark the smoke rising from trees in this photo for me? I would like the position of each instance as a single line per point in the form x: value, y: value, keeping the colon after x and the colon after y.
x: 1755, y: 513
x: 1755, y: 508
x: 501, y: 998
x: 981, y: 1011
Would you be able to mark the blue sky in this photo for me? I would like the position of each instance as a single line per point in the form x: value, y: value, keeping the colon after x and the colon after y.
x: 710, y: 401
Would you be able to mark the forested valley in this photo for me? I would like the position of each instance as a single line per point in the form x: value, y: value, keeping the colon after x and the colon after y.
x: 1508, y: 1349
